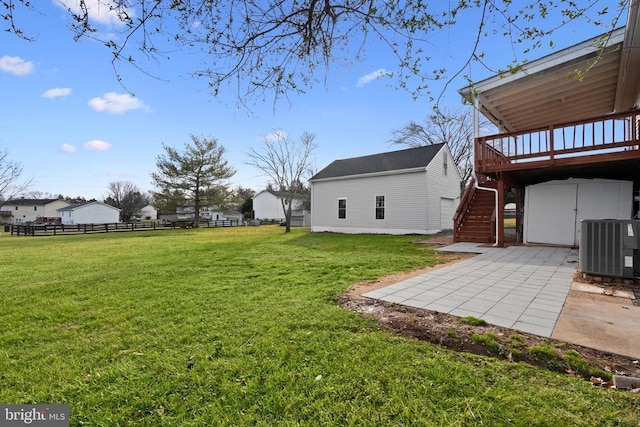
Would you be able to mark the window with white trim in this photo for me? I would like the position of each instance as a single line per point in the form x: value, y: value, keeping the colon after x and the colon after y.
x: 379, y: 207
x: 342, y: 208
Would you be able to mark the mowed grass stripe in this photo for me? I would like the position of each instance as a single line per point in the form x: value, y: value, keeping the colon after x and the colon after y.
x: 240, y: 327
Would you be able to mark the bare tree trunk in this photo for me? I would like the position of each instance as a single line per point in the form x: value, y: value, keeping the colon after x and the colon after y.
x: 288, y: 215
x: 196, y: 212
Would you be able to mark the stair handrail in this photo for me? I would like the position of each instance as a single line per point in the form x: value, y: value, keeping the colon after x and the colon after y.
x: 464, y: 205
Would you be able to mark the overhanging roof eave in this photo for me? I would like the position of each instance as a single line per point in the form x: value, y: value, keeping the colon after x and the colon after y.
x: 573, y: 53
x: 628, y: 88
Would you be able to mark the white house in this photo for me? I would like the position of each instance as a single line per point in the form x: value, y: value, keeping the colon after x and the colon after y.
x: 209, y: 213
x: 148, y: 211
x: 22, y: 211
x: 89, y: 213
x: 267, y: 204
x: 409, y: 191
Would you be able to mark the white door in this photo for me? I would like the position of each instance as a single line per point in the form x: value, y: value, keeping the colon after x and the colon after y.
x: 550, y: 214
x: 447, y: 210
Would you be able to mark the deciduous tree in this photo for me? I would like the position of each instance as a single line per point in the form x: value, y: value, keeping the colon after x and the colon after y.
x: 286, y: 162
x: 455, y: 127
x: 194, y: 177
x: 127, y: 197
x: 11, y: 185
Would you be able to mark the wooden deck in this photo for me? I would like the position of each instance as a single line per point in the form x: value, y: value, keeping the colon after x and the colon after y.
x: 599, y: 140
x: 601, y: 147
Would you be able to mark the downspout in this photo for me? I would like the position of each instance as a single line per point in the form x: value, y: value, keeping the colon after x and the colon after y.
x: 476, y: 134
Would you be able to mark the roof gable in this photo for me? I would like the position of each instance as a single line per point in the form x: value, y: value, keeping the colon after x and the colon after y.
x: 411, y: 158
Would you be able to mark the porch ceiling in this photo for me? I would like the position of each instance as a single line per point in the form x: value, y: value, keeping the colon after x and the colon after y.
x: 544, y: 92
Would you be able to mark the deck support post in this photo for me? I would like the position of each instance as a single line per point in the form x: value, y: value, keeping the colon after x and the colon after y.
x: 500, y: 214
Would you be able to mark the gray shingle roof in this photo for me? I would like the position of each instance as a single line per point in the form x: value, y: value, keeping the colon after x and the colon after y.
x: 384, y: 162
x: 74, y: 206
x: 29, y: 202
x: 283, y: 194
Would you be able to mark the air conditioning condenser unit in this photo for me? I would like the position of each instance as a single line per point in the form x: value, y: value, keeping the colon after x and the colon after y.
x: 610, y: 247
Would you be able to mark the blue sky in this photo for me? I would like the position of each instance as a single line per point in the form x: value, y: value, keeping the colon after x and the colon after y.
x: 75, y: 128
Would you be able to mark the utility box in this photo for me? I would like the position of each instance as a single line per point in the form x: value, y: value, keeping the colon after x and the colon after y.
x: 610, y: 247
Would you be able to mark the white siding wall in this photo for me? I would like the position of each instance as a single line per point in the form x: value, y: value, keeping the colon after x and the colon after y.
x: 405, y: 204
x: 267, y: 206
x: 148, y: 211
x: 24, y: 214
x: 440, y: 187
x: 51, y: 209
x: 91, y: 214
x: 29, y: 213
x: 554, y: 209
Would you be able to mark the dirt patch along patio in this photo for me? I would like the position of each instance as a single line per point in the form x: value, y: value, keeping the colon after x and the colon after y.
x: 499, y: 341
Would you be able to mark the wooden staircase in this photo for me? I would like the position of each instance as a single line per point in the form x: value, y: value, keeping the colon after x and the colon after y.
x: 474, y: 220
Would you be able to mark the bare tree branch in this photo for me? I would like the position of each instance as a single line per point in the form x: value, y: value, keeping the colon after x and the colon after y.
x: 287, y: 163
x: 10, y: 184
x: 282, y: 46
x: 454, y: 127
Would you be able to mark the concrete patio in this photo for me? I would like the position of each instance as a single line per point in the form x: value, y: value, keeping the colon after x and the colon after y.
x: 528, y: 288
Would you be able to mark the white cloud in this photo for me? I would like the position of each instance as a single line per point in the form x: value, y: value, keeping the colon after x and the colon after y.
x: 16, y: 65
x: 105, y: 12
x: 68, y: 148
x: 117, y: 103
x: 97, y: 145
x: 275, y: 136
x: 372, y: 76
x: 56, y: 92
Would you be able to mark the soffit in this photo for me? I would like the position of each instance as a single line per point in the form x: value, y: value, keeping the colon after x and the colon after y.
x: 547, y: 91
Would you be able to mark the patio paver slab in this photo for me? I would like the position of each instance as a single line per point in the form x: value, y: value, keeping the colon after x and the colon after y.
x: 521, y: 287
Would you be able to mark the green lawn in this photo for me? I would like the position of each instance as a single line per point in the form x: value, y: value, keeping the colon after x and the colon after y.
x: 240, y: 327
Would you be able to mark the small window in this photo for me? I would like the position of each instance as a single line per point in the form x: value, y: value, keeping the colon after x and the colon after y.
x: 444, y: 164
x: 379, y: 207
x: 35, y: 208
x: 342, y: 208
x: 16, y: 208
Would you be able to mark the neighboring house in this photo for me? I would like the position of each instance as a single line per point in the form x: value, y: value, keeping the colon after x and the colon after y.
x: 148, y: 211
x: 569, y: 147
x: 89, y: 213
x: 233, y: 215
x: 23, y: 211
x: 401, y: 192
x: 208, y: 213
x: 267, y: 204
x: 510, y: 210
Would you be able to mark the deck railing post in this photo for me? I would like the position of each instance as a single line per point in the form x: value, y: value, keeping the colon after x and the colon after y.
x: 551, y: 145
